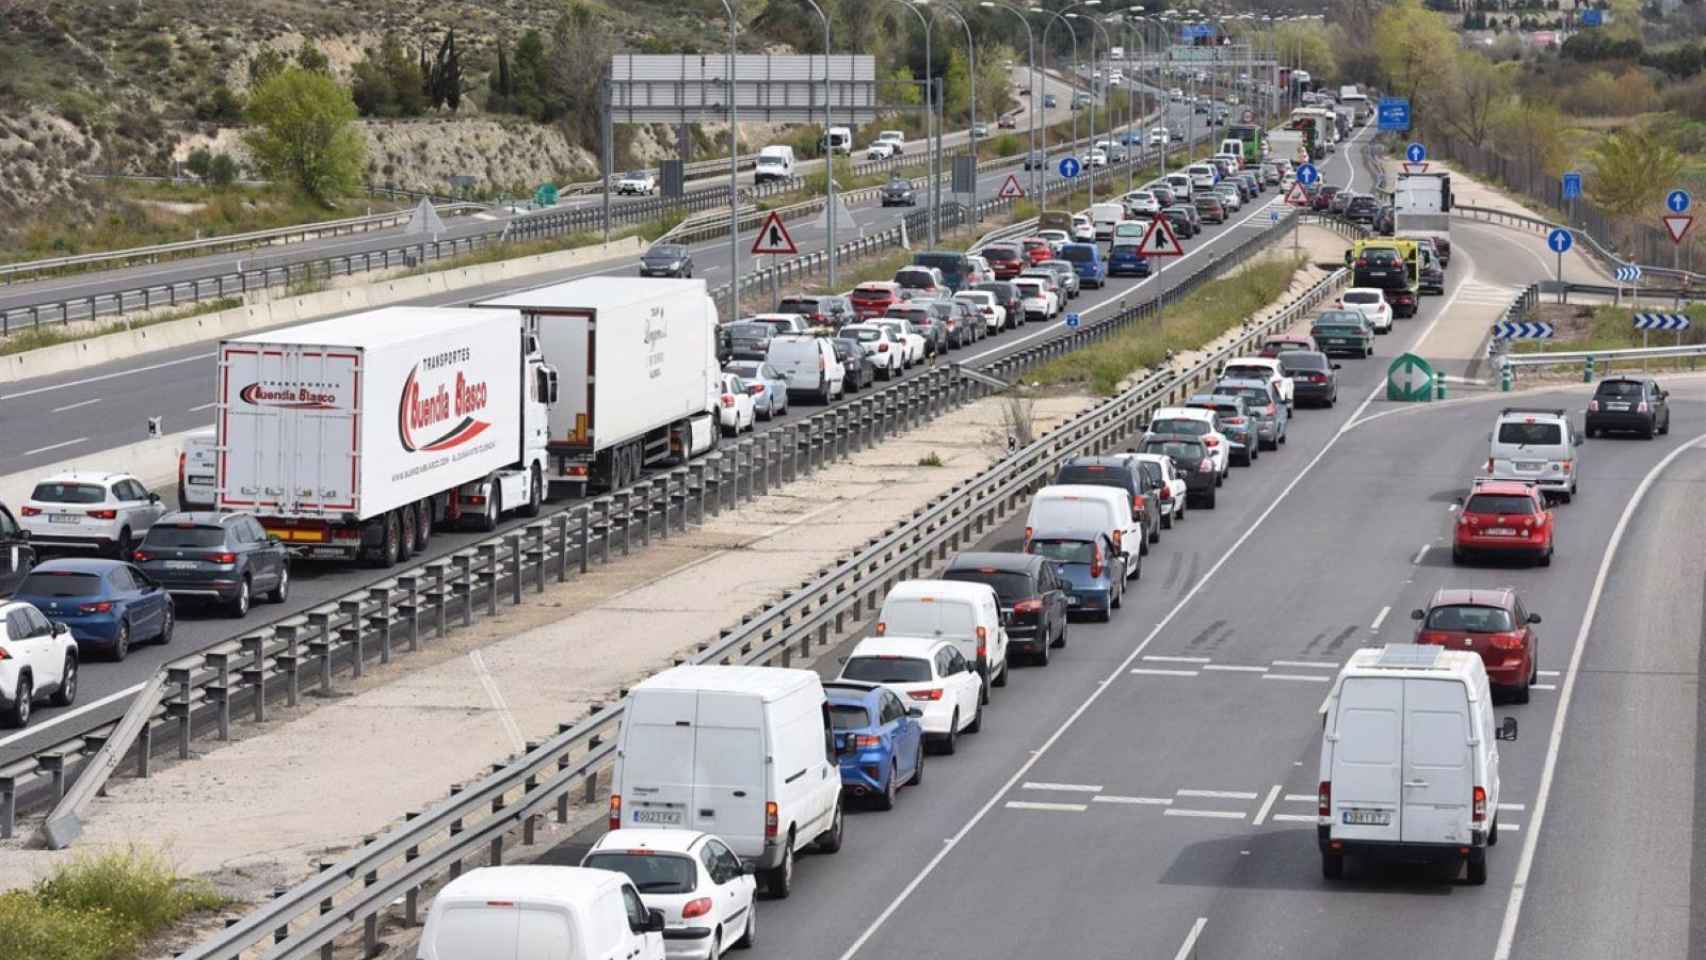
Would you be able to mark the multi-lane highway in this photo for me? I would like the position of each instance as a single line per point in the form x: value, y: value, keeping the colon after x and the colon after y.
x: 179, y: 384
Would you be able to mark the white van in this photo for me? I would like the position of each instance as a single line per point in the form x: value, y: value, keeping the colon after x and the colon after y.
x: 1103, y: 216
x: 774, y: 163
x: 566, y: 913
x: 1410, y: 759
x: 809, y: 364
x: 1231, y: 147
x: 1203, y: 176
x: 746, y: 753
x: 1181, y: 186
x: 197, y: 468
x: 1536, y: 444
x: 969, y: 614
x: 839, y: 140
x: 1079, y: 508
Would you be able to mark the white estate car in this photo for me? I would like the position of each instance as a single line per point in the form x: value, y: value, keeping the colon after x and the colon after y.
x: 1171, y: 488
x: 880, y: 150
x: 1262, y: 368
x: 885, y: 348
x: 929, y: 673
x: 1194, y: 422
x: 1083, y: 231
x: 1371, y: 303
x: 637, y: 182
x: 706, y: 894
x: 87, y: 512
x: 736, y: 406
x: 38, y: 661
x: 994, y: 314
x: 1040, y: 302
x: 896, y: 139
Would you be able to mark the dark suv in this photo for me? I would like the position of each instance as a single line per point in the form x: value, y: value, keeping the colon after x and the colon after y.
x: 1362, y: 208
x: 1628, y: 403
x: 819, y: 311
x: 1033, y: 598
x: 16, y: 554
x: 222, y: 557
x: 1125, y: 475
x: 1192, y: 461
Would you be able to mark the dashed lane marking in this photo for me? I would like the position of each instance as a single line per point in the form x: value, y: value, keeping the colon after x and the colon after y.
x: 1067, y: 787
x: 1308, y: 678
x: 1217, y: 794
x: 1163, y: 673
x: 1135, y: 801
x: 1167, y: 659
x: 1209, y: 814
x: 1054, y: 807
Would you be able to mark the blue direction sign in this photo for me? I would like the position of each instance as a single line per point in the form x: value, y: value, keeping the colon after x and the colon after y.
x: 1394, y: 113
x: 1522, y: 330
x: 1572, y: 185
x: 1559, y: 240
x: 1593, y: 18
x: 1415, y: 153
x: 1072, y: 320
x: 1679, y: 201
x: 1307, y: 174
x: 1661, y: 321
x: 1069, y: 167
x: 1628, y: 274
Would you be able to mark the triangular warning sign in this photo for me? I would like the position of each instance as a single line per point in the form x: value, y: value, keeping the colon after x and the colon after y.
x: 1678, y: 226
x: 1160, y: 241
x: 1011, y: 189
x: 773, y: 237
x: 1297, y: 197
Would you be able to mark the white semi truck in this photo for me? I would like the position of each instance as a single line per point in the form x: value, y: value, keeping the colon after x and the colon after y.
x: 355, y: 436
x: 640, y: 379
x: 1421, y: 208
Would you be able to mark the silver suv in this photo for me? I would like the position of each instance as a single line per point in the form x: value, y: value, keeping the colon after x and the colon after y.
x: 1535, y: 444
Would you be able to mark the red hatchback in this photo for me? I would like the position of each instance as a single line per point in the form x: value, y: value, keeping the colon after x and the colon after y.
x: 875, y: 298
x: 1503, y: 518
x: 1036, y: 250
x: 1491, y: 623
x: 1005, y: 260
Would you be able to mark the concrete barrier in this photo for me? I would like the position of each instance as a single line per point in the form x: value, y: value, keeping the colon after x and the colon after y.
x: 153, y: 461
x: 269, y: 311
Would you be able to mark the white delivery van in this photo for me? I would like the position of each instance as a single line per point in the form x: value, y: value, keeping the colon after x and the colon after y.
x: 1537, y: 444
x: 565, y: 913
x: 198, y: 470
x: 1181, y: 186
x: 746, y: 753
x: 1080, y: 508
x: 969, y: 614
x: 839, y: 140
x: 775, y: 162
x: 1103, y: 216
x: 809, y: 364
x: 1410, y: 759
x: 1203, y: 176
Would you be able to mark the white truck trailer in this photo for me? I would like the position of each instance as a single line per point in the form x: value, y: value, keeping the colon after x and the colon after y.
x: 353, y: 437
x: 1421, y: 208
x: 640, y: 378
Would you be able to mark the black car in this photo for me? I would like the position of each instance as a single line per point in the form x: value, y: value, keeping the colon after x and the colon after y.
x: 820, y: 310
x: 1431, y: 274
x: 1122, y: 474
x: 969, y: 325
x: 1185, y: 220
x: 1163, y: 194
x: 1381, y: 267
x: 1385, y: 224
x: 1312, y: 376
x: 861, y: 371
x: 1628, y: 403
x: 1036, y: 160
x: 1034, y: 600
x: 225, y: 558
x: 744, y: 341
x: 1192, y: 461
x: 899, y: 192
x: 16, y: 554
x: 667, y: 260
x: 1006, y: 295
x: 1362, y: 208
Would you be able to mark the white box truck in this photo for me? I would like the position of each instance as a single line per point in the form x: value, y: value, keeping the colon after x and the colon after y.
x: 640, y: 379
x: 354, y: 436
x: 1421, y: 208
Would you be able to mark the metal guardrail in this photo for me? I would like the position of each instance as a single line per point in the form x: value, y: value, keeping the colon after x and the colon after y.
x: 1566, y: 357
x: 1589, y: 242
x: 479, y: 819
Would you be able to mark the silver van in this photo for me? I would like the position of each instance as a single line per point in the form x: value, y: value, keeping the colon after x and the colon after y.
x: 1538, y: 445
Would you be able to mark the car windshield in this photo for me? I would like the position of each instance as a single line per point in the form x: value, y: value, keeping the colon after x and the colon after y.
x: 58, y: 583
x: 738, y: 369
x: 1002, y: 291
x: 1352, y: 317
x: 1186, y: 454
x: 1064, y: 551
x: 1030, y: 289
x: 798, y: 305
x: 872, y: 293
x: 1190, y: 426
x: 1094, y: 475
x: 175, y: 535
x: 1382, y: 256
x: 749, y: 331
x: 668, y: 252
x: 1151, y: 471
x: 1009, y: 586
x: 635, y: 175
x: 1499, y: 503
x: 69, y: 493
x: 1000, y: 254
x: 915, y: 279
x: 1078, y: 253
x: 1127, y: 249
x: 1469, y: 618
x: 1619, y: 389
x: 1239, y: 371
x: 1208, y: 203
x: 650, y: 872
x: 1253, y: 396
x: 894, y: 330
x: 849, y: 716
x: 887, y: 669
x: 1362, y: 296
x: 863, y: 334
x: 775, y: 326
x: 1530, y: 434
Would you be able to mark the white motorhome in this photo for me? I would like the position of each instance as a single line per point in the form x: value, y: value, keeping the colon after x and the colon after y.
x: 775, y: 162
x: 969, y: 614
x: 1410, y: 759
x: 746, y: 753
x: 565, y: 913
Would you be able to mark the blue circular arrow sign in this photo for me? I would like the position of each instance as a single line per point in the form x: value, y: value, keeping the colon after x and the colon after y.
x: 1415, y: 153
x: 1307, y: 174
x: 1559, y: 240
x: 1069, y: 167
x: 1679, y: 201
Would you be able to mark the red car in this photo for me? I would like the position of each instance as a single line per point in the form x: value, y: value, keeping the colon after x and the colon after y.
x: 1036, y: 249
x: 1322, y: 199
x: 1503, y: 518
x: 1274, y: 346
x: 875, y: 298
x: 1005, y: 260
x: 1493, y: 624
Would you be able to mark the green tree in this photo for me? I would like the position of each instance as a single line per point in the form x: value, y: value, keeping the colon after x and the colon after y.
x: 900, y: 87
x: 200, y: 160
x: 1531, y: 132
x: 387, y: 82
x: 265, y: 63
x: 312, y: 58
x: 581, y: 44
x: 499, y: 82
x: 1472, y: 96
x: 1632, y: 169
x: 303, y: 131
x: 530, y: 75
x: 956, y: 86
x: 222, y: 105
x: 445, y: 81
x: 1416, y: 49
x: 222, y: 170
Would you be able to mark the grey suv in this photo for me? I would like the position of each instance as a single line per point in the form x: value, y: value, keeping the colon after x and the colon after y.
x: 222, y: 557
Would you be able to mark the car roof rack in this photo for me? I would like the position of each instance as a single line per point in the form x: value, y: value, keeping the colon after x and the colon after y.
x: 1551, y: 411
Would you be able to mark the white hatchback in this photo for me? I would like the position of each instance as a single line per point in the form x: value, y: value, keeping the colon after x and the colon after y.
x: 1371, y: 303
x: 931, y: 674
x: 38, y: 661
x: 994, y: 314
x: 1266, y: 369
x: 86, y: 512
x: 735, y: 405
x: 707, y: 895
x: 1039, y: 300
x: 1194, y: 422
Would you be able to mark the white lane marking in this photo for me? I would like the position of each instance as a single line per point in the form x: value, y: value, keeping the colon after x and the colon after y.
x: 1421, y: 553
x: 205, y: 406
x: 1381, y: 618
x: 499, y: 704
x: 1165, y: 659
x: 1525, y: 865
x: 1300, y: 798
x: 1543, y: 686
x: 1164, y: 673
x: 1512, y: 806
x: 104, y: 376
x: 71, y: 714
x: 1307, y: 678
x: 1032, y: 805
x: 1217, y: 794
x: 1296, y: 817
x: 1210, y: 814
x: 1107, y: 682
x: 1234, y: 667
x: 73, y: 406
x: 54, y: 446
x: 1509, y: 826
x: 1267, y: 805
x: 1071, y: 787
x: 1310, y: 664
x: 1187, y: 950
x: 1145, y: 801
x: 1550, y: 673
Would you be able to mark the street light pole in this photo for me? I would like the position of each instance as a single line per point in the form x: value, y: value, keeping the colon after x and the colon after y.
x: 1090, y: 137
x: 929, y: 115
x: 829, y: 151
x: 1106, y: 46
x: 971, y: 50
x: 1031, y: 41
x: 1042, y: 202
x: 734, y: 171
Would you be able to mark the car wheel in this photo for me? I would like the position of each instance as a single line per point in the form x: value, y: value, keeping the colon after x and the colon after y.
x: 19, y: 713
x: 1476, y: 865
x: 1208, y: 501
x: 535, y: 498
x: 1493, y: 833
x: 121, y: 646
x: 1332, y: 865
x: 885, y: 800
x: 281, y: 593
x: 168, y: 623
x: 1154, y: 536
x: 406, y: 532
x: 716, y: 947
x: 66, y: 695
x: 917, y: 765
x: 123, y: 547
x: 951, y: 744
x: 769, y: 411
x: 1458, y: 557
x: 1060, y: 639
x: 1546, y: 558
x: 239, y: 605
x: 1665, y: 428
x: 830, y: 840
x: 423, y: 521
x: 983, y: 692
x: 1143, y: 547
x: 779, y: 882
x: 976, y: 724
x: 1167, y: 522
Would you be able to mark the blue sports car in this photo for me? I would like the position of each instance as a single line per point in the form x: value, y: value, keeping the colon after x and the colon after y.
x: 887, y: 740
x: 107, y: 603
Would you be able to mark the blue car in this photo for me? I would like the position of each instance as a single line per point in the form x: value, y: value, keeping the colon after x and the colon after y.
x: 888, y: 741
x: 108, y: 604
x: 1086, y: 259
x: 1126, y: 261
x: 769, y: 387
x: 1091, y: 566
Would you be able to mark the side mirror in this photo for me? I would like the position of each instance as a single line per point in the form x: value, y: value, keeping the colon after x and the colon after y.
x: 154, y: 498
x: 1417, y: 614
x: 655, y: 921
x: 915, y: 712
x: 1457, y: 500
x: 1534, y: 618
x: 23, y: 534
x: 748, y: 868
x: 1507, y: 730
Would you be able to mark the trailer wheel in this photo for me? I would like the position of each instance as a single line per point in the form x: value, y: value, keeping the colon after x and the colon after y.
x: 406, y: 532
x: 535, y: 492
x: 423, y: 524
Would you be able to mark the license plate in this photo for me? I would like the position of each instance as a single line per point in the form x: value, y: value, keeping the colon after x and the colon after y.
x: 1500, y: 532
x: 1617, y: 406
x: 180, y: 564
x: 658, y: 816
x: 1072, y: 601
x: 63, y: 518
x: 1521, y: 465
x: 1337, y: 342
x: 1368, y: 818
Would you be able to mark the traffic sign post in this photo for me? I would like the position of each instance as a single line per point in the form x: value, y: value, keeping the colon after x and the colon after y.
x: 1648, y: 322
x: 1415, y: 153
x: 1011, y: 190
x: 1572, y: 185
x: 1560, y: 240
x: 1159, y: 241
x: 1307, y: 174
x: 773, y: 237
x: 1393, y: 114
x: 1069, y: 167
x: 1072, y: 321
x: 1410, y: 379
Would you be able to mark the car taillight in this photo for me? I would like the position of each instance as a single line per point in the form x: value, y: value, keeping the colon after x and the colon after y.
x: 183, y: 458
x: 1095, y: 560
x: 1033, y: 605
x: 1210, y: 442
x: 1205, y: 466
x: 105, y: 606
x: 882, y: 348
x: 1480, y: 810
x: 770, y: 819
x: 1118, y: 536
x: 882, y: 628
x: 696, y: 908
x: 755, y: 389
x: 29, y: 511
x: 1641, y: 407
x: 1317, y: 378
x: 1489, y: 464
x: 935, y: 694
x: 1324, y: 799
x: 1362, y: 261
x: 4, y: 655
x: 104, y: 514
x: 728, y: 400
x: 820, y: 363
x: 1138, y: 503
x: 982, y: 642
x: 224, y: 558
x: 1269, y: 410
x: 1235, y: 421
x: 1506, y: 641
x: 140, y: 557
x: 1166, y: 493
x: 615, y: 819
x: 865, y: 741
